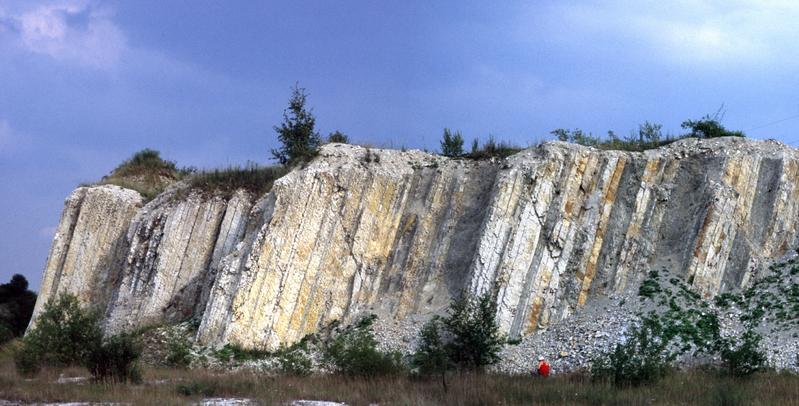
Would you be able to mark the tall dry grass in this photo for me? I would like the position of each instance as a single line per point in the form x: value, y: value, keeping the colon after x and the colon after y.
x: 173, y: 386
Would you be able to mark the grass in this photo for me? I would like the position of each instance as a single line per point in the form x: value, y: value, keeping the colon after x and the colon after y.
x: 166, y: 386
x: 145, y: 172
x: 252, y: 178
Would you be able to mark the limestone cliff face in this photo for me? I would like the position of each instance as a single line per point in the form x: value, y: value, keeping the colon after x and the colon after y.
x: 400, y: 233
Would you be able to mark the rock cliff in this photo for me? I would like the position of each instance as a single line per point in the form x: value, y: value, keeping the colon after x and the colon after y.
x: 400, y: 233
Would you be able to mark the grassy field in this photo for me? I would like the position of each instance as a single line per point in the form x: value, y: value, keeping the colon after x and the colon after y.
x: 163, y: 386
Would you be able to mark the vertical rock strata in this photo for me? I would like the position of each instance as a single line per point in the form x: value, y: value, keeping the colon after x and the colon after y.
x: 400, y: 233
x: 88, y: 244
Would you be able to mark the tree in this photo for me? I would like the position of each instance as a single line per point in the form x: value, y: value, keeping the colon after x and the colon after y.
x: 649, y: 133
x: 297, y: 134
x: 16, y: 307
x: 452, y: 143
x: 475, y: 146
x: 476, y: 339
x: 339, y: 137
x: 742, y: 356
x: 431, y: 357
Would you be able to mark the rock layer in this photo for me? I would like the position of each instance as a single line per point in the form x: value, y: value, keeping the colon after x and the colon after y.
x: 400, y: 233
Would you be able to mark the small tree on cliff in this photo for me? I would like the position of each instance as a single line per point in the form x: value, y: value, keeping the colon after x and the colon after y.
x: 297, y: 134
x: 452, y: 143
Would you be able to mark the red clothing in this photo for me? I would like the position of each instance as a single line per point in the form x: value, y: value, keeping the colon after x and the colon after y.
x: 543, y: 369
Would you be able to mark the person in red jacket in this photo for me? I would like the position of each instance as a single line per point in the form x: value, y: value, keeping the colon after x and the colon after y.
x: 543, y: 367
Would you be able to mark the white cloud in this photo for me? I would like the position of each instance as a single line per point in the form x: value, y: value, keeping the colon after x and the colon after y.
x: 688, y: 33
x: 79, y: 32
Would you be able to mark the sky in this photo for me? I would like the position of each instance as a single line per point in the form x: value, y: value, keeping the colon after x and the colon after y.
x: 84, y: 84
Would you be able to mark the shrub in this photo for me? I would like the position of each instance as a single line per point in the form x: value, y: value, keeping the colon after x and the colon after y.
x: 178, y: 351
x: 709, y: 127
x: 297, y: 135
x: 147, y: 161
x: 64, y: 334
x: 237, y: 353
x: 205, y: 389
x: 744, y: 359
x: 115, y: 360
x: 145, y: 172
x: 16, y: 307
x: 338, y: 136
x: 643, y: 358
x: 295, y: 362
x: 354, y: 352
x: 452, y: 143
x: 492, y: 149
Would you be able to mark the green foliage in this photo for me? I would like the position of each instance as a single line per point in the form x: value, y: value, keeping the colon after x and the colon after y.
x: 432, y: 357
x: 338, y: 136
x: 709, y: 127
x: 452, y: 144
x: 198, y: 388
x: 146, y: 162
x: 16, y: 307
x: 576, y: 136
x: 234, y: 352
x: 252, y: 177
x: 650, y: 286
x: 475, y: 337
x: 64, y: 334
x: 145, y: 172
x: 643, y: 358
x: 492, y: 149
x: 648, y: 136
x: 354, y: 352
x: 300, y: 141
x: 295, y: 362
x: 178, y: 351
x: 745, y: 358
x: 115, y: 359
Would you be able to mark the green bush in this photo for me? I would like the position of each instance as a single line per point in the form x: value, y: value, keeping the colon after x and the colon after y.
x: 339, y: 137
x: 475, y: 339
x: 745, y: 358
x: 709, y: 127
x: 115, y: 360
x: 643, y: 358
x: 354, y: 352
x: 492, y: 149
x: 196, y: 388
x: 145, y: 172
x: 64, y: 334
x: 295, y: 362
x: 178, y: 351
x: 452, y: 143
x: 146, y: 161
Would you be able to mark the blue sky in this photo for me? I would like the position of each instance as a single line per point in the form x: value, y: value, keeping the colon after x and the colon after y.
x: 84, y: 84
